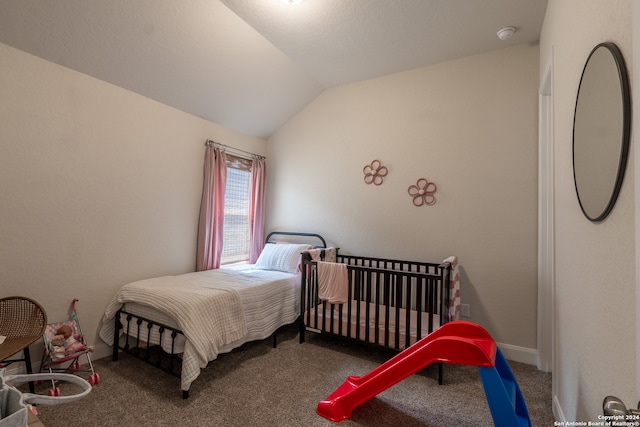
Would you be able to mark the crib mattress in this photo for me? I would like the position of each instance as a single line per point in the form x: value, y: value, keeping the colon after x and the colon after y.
x: 328, y: 321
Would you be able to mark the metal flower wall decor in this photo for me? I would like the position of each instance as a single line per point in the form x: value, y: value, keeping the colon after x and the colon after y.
x: 374, y: 173
x: 423, y: 192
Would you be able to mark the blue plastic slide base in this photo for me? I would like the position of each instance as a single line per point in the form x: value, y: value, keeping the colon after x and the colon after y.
x: 504, y: 397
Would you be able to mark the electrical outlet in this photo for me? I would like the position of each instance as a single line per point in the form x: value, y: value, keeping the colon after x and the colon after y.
x: 465, y: 310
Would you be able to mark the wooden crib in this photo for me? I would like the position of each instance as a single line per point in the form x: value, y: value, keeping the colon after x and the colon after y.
x: 391, y: 303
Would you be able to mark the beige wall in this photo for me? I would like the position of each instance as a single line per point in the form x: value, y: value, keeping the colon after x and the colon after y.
x: 468, y: 125
x: 100, y: 186
x: 595, y: 263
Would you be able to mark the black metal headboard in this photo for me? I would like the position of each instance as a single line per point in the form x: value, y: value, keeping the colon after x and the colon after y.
x: 296, y: 237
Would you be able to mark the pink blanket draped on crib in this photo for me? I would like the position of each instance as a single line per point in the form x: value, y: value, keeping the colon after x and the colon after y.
x: 333, y: 282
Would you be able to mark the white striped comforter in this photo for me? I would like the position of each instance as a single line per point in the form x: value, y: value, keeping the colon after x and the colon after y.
x: 218, y: 310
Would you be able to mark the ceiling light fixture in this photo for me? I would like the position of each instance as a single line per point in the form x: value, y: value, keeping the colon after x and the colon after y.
x: 505, y: 33
x: 292, y: 2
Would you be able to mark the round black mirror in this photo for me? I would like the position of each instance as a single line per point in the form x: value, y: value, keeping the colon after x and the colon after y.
x: 601, y: 131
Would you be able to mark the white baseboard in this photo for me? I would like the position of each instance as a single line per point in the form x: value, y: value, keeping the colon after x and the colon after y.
x: 510, y: 352
x: 14, y: 369
x: 519, y: 354
x: 557, y: 411
x: 100, y: 351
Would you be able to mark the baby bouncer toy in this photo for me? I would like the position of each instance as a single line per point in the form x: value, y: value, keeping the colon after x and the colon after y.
x: 64, y: 345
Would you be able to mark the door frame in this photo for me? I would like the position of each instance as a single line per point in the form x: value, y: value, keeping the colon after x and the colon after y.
x: 546, y: 231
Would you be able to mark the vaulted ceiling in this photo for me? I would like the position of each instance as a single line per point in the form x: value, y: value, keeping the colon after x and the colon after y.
x: 251, y: 65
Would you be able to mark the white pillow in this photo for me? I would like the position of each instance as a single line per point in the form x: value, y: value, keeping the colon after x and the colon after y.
x: 283, y: 257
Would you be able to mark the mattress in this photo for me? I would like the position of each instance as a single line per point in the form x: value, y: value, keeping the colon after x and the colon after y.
x: 354, y: 327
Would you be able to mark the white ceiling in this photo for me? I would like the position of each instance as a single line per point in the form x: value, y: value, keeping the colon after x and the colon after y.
x: 251, y: 65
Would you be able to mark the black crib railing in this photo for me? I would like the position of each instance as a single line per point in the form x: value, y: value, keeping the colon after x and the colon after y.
x: 390, y: 292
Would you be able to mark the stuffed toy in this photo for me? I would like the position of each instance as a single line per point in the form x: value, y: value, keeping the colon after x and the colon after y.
x: 57, y: 347
x: 70, y: 342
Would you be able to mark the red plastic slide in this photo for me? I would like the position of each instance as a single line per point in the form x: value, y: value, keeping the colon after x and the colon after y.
x: 458, y: 342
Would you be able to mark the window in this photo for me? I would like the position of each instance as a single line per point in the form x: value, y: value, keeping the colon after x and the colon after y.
x: 236, y: 210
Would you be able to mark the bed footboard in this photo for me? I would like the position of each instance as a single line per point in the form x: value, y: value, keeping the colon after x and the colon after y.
x: 152, y: 342
x: 133, y: 335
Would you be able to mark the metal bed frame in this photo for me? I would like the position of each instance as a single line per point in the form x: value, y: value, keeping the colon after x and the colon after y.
x: 154, y: 355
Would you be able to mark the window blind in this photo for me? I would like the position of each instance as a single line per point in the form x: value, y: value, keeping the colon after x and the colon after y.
x: 235, y: 247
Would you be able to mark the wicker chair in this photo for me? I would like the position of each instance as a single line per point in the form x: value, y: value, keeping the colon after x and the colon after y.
x: 22, y: 322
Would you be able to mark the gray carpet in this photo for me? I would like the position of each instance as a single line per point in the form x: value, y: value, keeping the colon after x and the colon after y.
x: 257, y: 385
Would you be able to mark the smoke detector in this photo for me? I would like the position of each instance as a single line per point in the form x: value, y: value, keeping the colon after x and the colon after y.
x: 505, y: 33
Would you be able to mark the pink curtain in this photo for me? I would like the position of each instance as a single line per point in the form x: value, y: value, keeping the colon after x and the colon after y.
x: 256, y: 210
x: 210, y: 227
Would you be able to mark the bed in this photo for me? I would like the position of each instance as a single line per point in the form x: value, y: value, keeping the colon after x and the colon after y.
x: 381, y: 302
x: 181, y: 323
